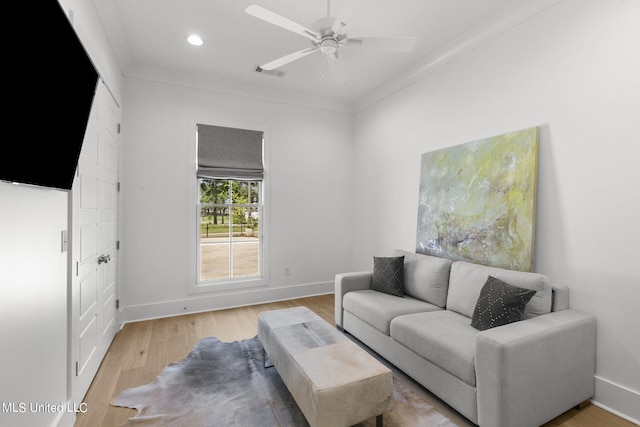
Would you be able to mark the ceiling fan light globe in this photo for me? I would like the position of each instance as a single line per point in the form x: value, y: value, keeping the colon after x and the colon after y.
x: 328, y: 46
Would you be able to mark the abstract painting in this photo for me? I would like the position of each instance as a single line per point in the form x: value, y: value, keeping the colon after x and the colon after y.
x: 477, y: 201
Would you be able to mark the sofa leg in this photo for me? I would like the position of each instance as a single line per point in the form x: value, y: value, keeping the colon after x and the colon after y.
x: 379, y: 421
x: 583, y: 404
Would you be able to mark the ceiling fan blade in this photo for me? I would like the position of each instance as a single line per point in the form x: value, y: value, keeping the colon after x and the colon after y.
x: 392, y: 44
x: 347, y: 12
x: 282, y: 22
x: 338, y: 69
x: 276, y: 63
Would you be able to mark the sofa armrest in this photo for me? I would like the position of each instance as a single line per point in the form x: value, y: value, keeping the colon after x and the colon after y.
x: 531, y: 371
x: 346, y: 282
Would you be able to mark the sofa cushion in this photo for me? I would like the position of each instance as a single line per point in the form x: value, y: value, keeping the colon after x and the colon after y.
x: 466, y: 282
x: 426, y: 277
x: 388, y: 275
x: 445, y: 338
x: 378, y: 309
x: 499, y: 304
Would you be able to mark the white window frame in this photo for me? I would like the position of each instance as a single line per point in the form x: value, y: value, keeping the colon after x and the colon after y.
x: 230, y: 243
x: 196, y: 286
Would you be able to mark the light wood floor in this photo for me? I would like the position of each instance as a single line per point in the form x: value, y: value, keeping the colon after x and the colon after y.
x: 140, y: 351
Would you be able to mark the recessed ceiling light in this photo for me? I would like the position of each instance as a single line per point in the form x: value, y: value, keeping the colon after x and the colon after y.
x: 195, y: 40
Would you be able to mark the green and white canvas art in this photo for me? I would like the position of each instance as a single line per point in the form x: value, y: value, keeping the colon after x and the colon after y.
x: 477, y: 201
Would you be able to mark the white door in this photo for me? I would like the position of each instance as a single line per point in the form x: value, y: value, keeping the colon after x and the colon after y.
x: 94, y: 244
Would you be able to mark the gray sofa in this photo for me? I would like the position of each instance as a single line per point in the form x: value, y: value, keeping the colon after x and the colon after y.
x: 520, y: 374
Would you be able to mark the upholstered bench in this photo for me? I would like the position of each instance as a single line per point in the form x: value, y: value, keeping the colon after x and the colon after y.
x: 334, y: 382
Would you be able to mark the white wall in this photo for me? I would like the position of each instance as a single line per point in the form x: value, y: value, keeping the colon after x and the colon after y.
x: 33, y: 305
x: 573, y: 71
x: 309, y: 171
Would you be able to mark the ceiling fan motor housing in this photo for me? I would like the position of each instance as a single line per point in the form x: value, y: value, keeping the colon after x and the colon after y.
x: 323, y: 26
x: 329, y: 43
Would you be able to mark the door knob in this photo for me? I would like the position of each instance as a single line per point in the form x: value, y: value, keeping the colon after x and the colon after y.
x: 104, y: 259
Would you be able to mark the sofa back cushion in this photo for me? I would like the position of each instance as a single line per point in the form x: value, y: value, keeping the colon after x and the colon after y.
x: 467, y: 280
x: 426, y: 277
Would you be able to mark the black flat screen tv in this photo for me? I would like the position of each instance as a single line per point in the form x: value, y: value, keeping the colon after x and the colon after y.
x: 50, y: 83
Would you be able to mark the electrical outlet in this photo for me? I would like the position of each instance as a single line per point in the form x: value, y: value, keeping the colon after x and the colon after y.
x: 287, y: 271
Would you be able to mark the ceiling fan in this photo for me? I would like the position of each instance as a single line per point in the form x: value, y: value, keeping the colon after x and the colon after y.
x: 329, y: 35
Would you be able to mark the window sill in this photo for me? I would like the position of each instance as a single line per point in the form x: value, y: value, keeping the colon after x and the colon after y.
x: 226, y: 285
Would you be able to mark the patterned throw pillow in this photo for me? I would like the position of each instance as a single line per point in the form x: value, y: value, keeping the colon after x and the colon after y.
x: 499, y: 303
x: 388, y: 275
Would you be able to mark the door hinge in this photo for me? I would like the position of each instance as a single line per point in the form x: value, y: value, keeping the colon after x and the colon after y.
x: 118, y: 128
x: 77, y: 269
x: 117, y: 244
x: 77, y: 369
x: 117, y: 304
x: 118, y: 187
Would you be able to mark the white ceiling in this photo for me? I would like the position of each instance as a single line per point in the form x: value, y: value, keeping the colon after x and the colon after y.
x: 149, y: 38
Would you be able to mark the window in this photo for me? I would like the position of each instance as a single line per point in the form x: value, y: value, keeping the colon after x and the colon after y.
x: 230, y: 213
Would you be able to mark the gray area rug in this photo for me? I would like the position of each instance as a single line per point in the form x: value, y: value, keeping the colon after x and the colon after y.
x: 225, y: 384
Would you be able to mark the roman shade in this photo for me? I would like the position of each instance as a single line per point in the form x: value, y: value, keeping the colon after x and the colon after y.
x: 229, y: 153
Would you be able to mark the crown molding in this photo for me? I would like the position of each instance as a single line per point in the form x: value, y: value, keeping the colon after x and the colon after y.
x: 482, y: 33
x: 212, y: 83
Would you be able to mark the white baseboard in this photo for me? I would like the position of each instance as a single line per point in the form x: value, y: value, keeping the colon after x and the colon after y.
x: 243, y: 297
x: 617, y: 399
